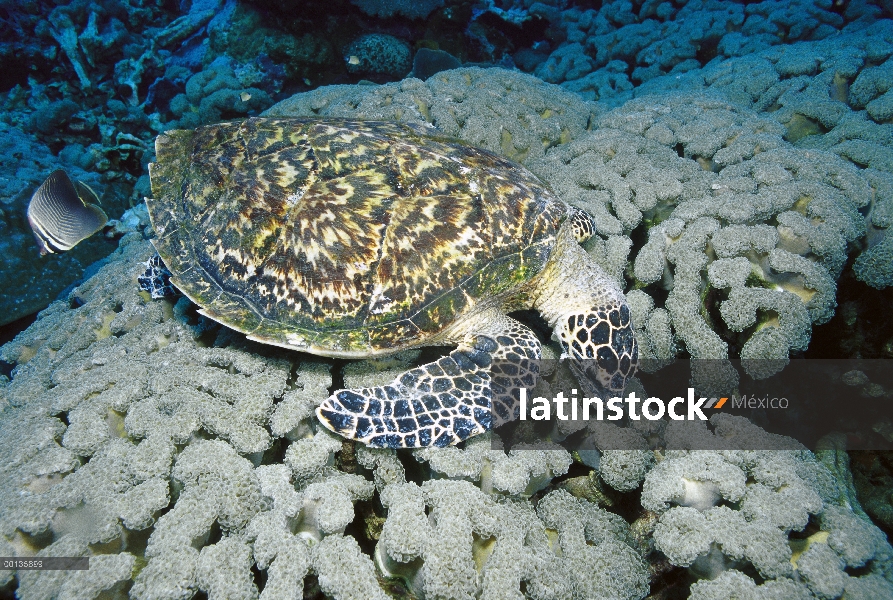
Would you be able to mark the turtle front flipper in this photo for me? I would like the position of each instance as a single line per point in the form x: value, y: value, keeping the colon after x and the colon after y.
x: 443, y: 402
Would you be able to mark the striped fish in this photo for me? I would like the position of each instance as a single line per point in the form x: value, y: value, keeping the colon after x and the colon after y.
x: 61, y: 215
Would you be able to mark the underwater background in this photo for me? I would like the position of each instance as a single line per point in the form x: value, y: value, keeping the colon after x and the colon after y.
x: 737, y: 159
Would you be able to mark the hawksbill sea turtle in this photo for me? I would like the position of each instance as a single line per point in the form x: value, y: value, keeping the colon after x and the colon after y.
x: 348, y: 238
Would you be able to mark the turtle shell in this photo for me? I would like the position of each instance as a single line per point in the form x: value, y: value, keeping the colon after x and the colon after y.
x: 343, y: 238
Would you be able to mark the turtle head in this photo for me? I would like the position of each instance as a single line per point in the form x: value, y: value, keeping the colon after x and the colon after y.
x: 582, y: 225
x: 602, y: 347
x: 589, y: 314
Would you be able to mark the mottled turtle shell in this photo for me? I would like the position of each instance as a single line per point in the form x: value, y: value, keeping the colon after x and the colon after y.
x: 343, y: 238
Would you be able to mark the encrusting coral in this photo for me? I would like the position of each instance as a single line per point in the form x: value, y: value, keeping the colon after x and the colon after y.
x: 829, y: 94
x: 705, y: 212
x: 378, y: 54
x: 170, y: 438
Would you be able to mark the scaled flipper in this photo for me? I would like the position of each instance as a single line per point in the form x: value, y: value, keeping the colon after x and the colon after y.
x: 444, y: 402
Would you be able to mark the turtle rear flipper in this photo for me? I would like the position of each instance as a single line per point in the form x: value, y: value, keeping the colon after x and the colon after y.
x: 443, y: 402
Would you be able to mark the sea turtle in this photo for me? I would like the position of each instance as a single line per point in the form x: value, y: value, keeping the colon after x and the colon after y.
x: 349, y: 238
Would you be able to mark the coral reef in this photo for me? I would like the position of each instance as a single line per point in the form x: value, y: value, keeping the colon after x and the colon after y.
x: 828, y: 96
x: 736, y: 158
x: 32, y: 281
x: 651, y: 39
x: 706, y: 235
x: 166, y: 435
x: 414, y: 9
x: 510, y: 113
x: 378, y: 54
x: 244, y: 34
x: 185, y: 459
x: 427, y: 62
x: 144, y: 434
x: 96, y: 82
x: 223, y: 90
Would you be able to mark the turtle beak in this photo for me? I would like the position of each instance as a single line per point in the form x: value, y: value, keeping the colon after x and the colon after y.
x: 592, y: 379
x: 607, y: 378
